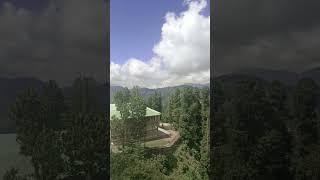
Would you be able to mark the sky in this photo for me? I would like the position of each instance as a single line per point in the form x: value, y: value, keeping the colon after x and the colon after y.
x: 53, y: 39
x: 58, y: 39
x: 270, y: 34
x: 159, y: 43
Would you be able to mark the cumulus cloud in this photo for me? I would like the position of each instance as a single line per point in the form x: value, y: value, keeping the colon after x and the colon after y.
x: 62, y: 40
x: 296, y: 51
x: 273, y: 34
x: 181, y: 56
x: 138, y: 73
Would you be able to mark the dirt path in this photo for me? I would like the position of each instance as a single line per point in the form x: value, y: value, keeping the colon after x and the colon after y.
x: 174, y: 136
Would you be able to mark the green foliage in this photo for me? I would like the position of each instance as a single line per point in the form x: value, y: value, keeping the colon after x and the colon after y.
x: 189, y: 111
x: 191, y: 120
x: 121, y: 99
x: 155, y: 101
x: 306, y: 130
x: 304, y: 111
x: 47, y: 155
x: 84, y: 96
x: 13, y: 174
x: 53, y: 104
x: 188, y: 167
x: 308, y: 166
x: 27, y: 113
x: 265, y: 131
x: 117, y: 129
x: 148, y: 169
x: 78, y: 151
x: 85, y: 146
x: 137, y: 114
x: 174, y: 108
x: 132, y: 110
x: 132, y: 163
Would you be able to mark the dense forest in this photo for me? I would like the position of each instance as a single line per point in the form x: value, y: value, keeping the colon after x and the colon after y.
x: 12, y: 87
x: 265, y: 129
x: 261, y: 130
x: 64, y: 138
x: 188, y: 111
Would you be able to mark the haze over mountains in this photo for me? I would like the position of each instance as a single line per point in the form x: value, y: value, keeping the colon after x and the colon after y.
x: 165, y: 91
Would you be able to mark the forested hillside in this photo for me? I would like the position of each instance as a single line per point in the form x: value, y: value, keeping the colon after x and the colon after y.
x: 265, y: 129
x: 188, y: 111
x: 165, y: 92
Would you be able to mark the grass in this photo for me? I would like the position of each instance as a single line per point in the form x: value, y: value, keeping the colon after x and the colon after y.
x: 10, y: 157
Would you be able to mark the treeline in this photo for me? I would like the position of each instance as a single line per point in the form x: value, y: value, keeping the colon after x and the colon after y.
x: 188, y: 110
x: 64, y: 138
x: 266, y: 130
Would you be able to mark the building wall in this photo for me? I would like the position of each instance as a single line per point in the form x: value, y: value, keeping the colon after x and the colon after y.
x: 151, y: 130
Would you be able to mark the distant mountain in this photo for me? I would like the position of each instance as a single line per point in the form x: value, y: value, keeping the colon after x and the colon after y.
x: 313, y: 74
x: 197, y: 85
x: 236, y: 77
x: 113, y: 90
x: 286, y: 77
x: 165, y: 92
x: 11, y: 87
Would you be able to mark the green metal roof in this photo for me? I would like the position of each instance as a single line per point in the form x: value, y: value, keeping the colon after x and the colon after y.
x: 115, y: 112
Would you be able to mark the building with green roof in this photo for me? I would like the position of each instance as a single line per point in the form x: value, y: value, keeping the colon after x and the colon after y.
x: 149, y: 112
x: 152, y: 120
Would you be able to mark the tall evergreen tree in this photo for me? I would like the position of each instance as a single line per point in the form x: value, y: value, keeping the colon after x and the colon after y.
x: 53, y: 105
x: 122, y: 100
x: 191, y: 120
x: 174, y: 108
x: 138, y: 113
x: 30, y: 120
x: 154, y: 101
x: 306, y: 132
x: 85, y: 145
x: 205, y: 108
x: 84, y: 96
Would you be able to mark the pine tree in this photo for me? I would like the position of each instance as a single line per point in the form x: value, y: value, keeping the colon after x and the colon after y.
x: 304, y: 108
x: 191, y: 120
x: 174, y: 108
x: 138, y: 112
x: 53, y: 105
x: 30, y: 120
x: 84, y: 96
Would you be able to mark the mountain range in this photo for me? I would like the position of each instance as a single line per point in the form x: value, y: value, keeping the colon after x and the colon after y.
x: 11, y: 87
x: 286, y: 77
x: 165, y: 91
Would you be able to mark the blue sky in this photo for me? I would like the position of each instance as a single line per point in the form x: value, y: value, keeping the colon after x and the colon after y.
x: 159, y: 43
x: 136, y: 26
x: 154, y: 43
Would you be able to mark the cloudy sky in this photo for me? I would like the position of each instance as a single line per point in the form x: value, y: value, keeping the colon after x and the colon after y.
x: 160, y: 43
x: 53, y: 39
x: 268, y: 34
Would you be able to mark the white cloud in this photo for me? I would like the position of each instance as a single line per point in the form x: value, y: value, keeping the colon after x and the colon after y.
x: 47, y: 44
x: 181, y: 56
